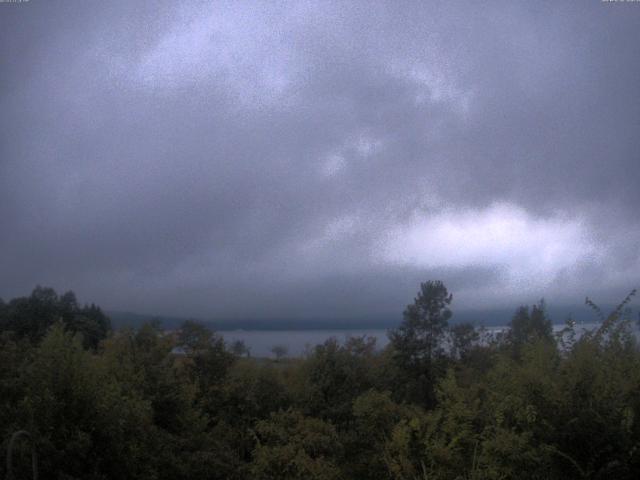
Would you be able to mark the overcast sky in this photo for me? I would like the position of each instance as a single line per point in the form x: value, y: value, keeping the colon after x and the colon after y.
x: 296, y: 160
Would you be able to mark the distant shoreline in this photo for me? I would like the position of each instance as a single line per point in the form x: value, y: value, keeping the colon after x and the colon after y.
x: 479, y: 318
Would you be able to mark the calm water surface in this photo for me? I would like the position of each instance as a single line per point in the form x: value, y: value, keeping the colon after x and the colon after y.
x: 297, y: 342
x: 260, y: 342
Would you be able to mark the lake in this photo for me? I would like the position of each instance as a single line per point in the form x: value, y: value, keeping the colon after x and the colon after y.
x: 297, y: 342
x: 260, y: 342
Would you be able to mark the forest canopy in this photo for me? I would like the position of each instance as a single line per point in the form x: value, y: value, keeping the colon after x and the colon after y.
x: 440, y: 401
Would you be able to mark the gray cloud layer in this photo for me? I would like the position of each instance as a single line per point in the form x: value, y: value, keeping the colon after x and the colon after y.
x: 311, y: 160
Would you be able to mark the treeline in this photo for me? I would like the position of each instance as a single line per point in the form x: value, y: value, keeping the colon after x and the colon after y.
x: 439, y: 402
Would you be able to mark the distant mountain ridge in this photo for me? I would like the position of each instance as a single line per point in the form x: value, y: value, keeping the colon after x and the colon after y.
x: 488, y: 318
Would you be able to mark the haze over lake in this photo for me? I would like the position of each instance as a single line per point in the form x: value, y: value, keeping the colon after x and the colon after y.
x: 300, y: 342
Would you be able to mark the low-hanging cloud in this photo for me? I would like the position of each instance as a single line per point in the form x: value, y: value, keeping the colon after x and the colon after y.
x: 502, y: 236
x: 528, y: 254
x: 225, y: 159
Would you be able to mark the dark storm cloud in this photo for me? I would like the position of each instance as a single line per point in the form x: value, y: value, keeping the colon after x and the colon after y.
x: 232, y: 160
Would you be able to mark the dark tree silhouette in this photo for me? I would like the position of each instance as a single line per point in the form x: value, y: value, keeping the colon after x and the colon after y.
x: 418, y: 341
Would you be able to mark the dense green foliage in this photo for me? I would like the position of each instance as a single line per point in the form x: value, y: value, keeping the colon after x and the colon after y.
x: 31, y: 317
x: 439, y: 402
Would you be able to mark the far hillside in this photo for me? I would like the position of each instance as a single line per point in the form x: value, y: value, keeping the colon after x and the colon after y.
x: 488, y: 318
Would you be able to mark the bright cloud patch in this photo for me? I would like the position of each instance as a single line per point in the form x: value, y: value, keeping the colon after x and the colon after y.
x: 210, y: 47
x: 503, y: 236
